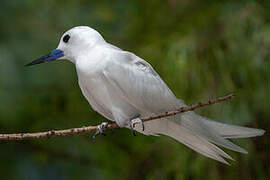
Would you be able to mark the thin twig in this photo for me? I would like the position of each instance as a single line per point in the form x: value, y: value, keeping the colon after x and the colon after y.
x: 88, y: 129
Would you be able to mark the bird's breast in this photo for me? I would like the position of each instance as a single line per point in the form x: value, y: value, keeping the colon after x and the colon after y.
x: 103, y: 98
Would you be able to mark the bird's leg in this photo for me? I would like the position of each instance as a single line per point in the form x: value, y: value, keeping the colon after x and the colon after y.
x: 100, y: 130
x: 135, y: 121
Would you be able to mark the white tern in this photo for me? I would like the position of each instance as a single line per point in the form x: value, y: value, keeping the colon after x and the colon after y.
x: 123, y: 87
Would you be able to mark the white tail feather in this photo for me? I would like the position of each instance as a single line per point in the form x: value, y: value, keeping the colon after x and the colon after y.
x: 194, y: 122
x: 187, y: 137
x: 232, y: 131
x: 199, y: 133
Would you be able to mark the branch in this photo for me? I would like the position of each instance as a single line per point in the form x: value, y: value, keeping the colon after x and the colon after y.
x: 87, y: 129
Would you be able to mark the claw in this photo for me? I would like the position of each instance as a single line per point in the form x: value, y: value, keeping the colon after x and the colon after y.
x: 132, y: 125
x: 134, y: 121
x: 100, y: 130
x: 142, y: 123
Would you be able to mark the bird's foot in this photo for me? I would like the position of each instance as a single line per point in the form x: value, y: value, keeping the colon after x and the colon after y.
x: 100, y: 130
x: 133, y: 122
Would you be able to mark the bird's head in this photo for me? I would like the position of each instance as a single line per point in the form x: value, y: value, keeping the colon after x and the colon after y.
x: 73, y: 43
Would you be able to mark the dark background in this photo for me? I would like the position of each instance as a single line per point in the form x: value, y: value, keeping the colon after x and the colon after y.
x: 202, y: 49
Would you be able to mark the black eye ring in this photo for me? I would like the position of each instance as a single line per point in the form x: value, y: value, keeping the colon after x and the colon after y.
x: 66, y: 38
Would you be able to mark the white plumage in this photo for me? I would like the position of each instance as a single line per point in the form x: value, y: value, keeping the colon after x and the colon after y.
x: 120, y: 86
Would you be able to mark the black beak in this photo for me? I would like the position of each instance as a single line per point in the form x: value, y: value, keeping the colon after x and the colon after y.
x: 55, y: 54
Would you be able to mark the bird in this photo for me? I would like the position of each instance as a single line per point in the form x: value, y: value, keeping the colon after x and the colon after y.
x: 123, y: 87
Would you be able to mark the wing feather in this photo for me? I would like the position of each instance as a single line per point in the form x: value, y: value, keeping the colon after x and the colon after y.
x: 138, y: 82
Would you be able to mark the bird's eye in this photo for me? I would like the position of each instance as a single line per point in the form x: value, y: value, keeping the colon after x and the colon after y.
x: 66, y: 38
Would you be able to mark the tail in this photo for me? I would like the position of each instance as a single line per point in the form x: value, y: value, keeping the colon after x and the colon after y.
x: 201, y: 134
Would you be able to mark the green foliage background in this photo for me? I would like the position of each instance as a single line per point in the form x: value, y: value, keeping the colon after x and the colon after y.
x: 202, y: 49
